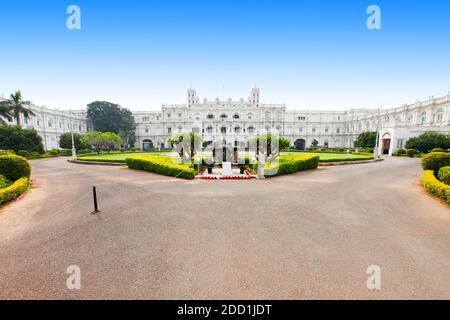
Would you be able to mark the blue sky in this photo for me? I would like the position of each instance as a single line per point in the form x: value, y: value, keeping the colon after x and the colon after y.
x: 307, y: 54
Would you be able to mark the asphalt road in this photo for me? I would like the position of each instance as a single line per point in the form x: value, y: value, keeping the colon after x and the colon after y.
x: 310, y: 235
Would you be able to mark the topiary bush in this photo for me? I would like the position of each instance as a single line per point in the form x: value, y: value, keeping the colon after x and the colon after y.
x: 4, y: 182
x: 438, y: 150
x: 435, y: 187
x: 436, y: 160
x: 411, y: 153
x: 14, y: 167
x: 54, y: 152
x: 161, y: 164
x: 14, y: 190
x: 444, y: 174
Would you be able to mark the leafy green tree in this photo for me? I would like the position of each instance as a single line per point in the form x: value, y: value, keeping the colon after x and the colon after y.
x: 65, y: 141
x: 186, y: 144
x: 110, y: 117
x: 270, y: 145
x: 15, y: 138
x: 102, y: 141
x: 14, y: 107
x: 428, y: 141
x: 366, y: 140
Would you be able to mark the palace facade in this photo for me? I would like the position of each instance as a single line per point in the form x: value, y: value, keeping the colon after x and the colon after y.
x: 235, y: 121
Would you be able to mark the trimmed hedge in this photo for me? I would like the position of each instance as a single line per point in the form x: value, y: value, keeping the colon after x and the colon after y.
x: 444, y: 175
x: 161, y: 164
x: 4, y: 182
x: 435, y: 187
x: 436, y: 160
x: 291, y: 164
x: 14, y: 190
x: 14, y: 167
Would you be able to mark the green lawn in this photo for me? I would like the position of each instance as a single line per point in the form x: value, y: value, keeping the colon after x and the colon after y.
x: 117, y: 157
x: 335, y: 157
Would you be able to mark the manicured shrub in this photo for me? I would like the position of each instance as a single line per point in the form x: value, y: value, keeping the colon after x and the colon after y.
x: 436, y: 160
x: 429, y: 140
x: 444, y: 174
x: 411, y: 153
x: 14, y: 167
x: 14, y: 190
x: 23, y: 153
x: 4, y: 182
x: 435, y: 187
x: 161, y: 164
x: 401, y: 152
x: 438, y: 150
x: 54, y: 152
x: 290, y: 164
x: 16, y: 138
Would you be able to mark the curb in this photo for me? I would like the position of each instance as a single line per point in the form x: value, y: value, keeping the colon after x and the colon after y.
x: 341, y: 163
x: 97, y: 163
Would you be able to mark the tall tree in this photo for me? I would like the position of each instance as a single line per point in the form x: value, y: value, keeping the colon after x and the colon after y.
x: 15, y: 106
x: 65, y: 141
x: 110, y: 117
x: 366, y: 140
x: 102, y: 140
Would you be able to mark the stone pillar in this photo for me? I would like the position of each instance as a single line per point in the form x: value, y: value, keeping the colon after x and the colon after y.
x: 261, y: 163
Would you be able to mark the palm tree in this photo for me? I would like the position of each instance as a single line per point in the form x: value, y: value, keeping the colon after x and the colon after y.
x: 5, y: 112
x: 15, y: 106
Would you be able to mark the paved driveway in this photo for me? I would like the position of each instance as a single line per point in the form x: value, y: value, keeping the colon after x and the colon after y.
x: 307, y: 235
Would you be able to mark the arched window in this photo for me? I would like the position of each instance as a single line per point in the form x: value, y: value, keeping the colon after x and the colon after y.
x: 251, y: 130
x: 423, y: 118
x: 209, y: 129
x: 237, y: 130
x: 438, y: 116
x: 249, y: 116
x: 223, y: 116
x: 236, y: 116
x: 210, y: 116
x: 223, y: 129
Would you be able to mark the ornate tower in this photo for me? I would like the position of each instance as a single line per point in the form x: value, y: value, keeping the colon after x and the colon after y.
x: 254, y: 96
x: 192, y: 97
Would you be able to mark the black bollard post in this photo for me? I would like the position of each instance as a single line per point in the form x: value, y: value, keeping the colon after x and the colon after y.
x: 94, y: 192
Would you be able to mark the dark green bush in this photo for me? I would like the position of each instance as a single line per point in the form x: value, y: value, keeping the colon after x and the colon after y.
x: 161, y: 164
x: 14, y: 167
x: 436, y: 160
x: 411, y: 153
x: 429, y: 140
x: 16, y: 138
x: 54, y: 152
x: 23, y: 153
x: 444, y: 174
x: 4, y: 182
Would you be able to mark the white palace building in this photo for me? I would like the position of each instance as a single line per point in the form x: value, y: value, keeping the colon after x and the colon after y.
x: 234, y: 121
